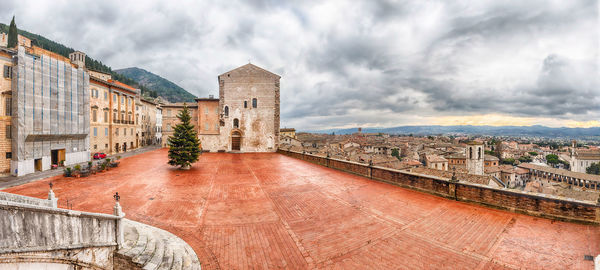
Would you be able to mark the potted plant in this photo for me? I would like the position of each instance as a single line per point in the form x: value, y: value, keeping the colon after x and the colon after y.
x: 67, y: 172
x: 76, y: 170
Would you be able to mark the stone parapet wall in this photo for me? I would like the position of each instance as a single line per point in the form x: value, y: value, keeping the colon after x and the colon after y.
x: 4, y: 196
x: 32, y: 228
x: 534, y: 204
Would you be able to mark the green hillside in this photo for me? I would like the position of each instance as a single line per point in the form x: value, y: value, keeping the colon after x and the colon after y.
x: 166, y: 89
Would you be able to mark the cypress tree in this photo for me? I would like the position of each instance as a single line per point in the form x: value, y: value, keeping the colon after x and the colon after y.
x: 184, y: 147
x: 12, y: 34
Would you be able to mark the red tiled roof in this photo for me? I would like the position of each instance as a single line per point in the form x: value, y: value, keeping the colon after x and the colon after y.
x: 118, y: 83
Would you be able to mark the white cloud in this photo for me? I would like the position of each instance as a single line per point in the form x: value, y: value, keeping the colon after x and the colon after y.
x: 343, y: 63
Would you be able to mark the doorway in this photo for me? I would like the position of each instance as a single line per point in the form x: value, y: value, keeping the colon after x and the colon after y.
x: 236, y: 141
x: 57, y: 156
x: 38, y: 164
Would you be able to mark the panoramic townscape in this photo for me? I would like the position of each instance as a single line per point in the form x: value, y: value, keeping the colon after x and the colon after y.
x: 124, y: 169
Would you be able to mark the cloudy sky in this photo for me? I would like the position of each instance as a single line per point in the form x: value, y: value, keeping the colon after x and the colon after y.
x: 356, y: 63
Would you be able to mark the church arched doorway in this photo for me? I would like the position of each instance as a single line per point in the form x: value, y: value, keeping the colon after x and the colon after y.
x: 236, y: 141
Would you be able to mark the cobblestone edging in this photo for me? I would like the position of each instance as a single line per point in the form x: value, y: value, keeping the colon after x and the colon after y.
x: 541, y: 205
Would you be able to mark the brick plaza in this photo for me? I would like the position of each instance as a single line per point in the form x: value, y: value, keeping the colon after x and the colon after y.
x: 259, y: 211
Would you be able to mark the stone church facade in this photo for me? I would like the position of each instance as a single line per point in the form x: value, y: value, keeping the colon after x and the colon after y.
x: 246, y: 118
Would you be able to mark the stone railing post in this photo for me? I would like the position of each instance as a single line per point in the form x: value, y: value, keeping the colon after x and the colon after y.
x: 452, y: 184
x: 51, y: 197
x: 370, y: 169
x: 120, y: 238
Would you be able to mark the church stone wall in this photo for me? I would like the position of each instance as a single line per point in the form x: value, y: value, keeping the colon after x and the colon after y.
x: 259, y: 127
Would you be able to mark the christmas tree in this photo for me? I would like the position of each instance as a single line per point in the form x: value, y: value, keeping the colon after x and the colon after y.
x: 184, y: 147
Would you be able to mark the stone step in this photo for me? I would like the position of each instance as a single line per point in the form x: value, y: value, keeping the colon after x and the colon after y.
x: 154, y: 248
x: 157, y: 256
x: 167, y: 259
x: 143, y: 257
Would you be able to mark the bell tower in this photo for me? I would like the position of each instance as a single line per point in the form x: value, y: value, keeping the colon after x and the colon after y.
x: 78, y: 58
x: 475, y: 156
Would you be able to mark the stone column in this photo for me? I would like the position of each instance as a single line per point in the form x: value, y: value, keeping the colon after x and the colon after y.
x: 52, y: 198
x: 119, y: 222
x: 452, y: 184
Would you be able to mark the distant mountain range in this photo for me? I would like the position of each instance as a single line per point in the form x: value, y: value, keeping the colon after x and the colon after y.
x: 515, y: 131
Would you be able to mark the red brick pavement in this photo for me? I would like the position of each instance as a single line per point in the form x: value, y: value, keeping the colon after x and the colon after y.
x: 261, y: 211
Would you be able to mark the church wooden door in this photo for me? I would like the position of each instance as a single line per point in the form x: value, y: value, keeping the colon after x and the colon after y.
x: 235, y: 143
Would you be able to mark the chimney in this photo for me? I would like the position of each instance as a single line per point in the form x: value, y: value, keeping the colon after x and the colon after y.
x: 211, y: 96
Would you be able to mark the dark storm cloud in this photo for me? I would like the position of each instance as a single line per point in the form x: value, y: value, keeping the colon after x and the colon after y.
x: 359, y: 62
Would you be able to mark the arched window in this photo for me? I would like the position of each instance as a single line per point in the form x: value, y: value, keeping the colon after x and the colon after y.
x: 254, y: 103
x: 236, y: 123
x: 245, y: 104
x: 226, y: 111
x: 470, y: 152
x: 478, y: 153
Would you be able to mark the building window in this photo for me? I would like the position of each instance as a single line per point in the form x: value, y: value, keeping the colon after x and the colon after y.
x: 8, y: 155
x: 254, y: 103
x: 236, y: 123
x: 105, y: 116
x: 105, y: 95
x: 8, y: 106
x: 8, y: 130
x: 7, y: 72
x: 245, y: 104
x: 115, y: 98
x: 132, y: 131
x: 206, y: 127
x: 226, y: 111
x: 117, y: 131
x: 122, y: 100
x: 94, y: 115
x: 106, y: 145
x: 106, y: 133
x: 95, y: 146
x: 95, y: 131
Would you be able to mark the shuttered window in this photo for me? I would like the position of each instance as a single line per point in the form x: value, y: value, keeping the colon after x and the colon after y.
x: 8, y: 107
x: 8, y: 72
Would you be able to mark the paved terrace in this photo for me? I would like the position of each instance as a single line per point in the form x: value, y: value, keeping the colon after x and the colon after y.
x: 255, y: 211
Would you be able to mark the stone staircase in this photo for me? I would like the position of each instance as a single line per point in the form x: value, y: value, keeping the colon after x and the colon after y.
x: 148, y: 247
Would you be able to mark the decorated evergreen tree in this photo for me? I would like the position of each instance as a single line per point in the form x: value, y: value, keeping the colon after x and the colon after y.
x: 184, y: 147
x: 12, y: 34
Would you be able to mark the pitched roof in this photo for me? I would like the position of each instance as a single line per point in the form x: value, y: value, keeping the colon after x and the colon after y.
x: 249, y: 69
x: 578, y: 175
